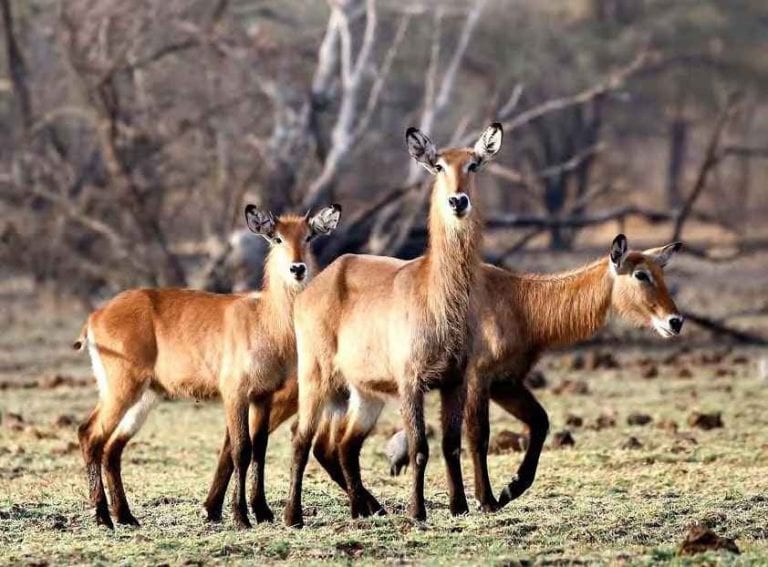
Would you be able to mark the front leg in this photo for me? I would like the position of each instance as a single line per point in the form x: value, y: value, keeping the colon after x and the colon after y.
x: 514, y: 397
x: 259, y: 429
x: 412, y: 410
x: 478, y: 433
x: 452, y: 398
x: 237, y: 427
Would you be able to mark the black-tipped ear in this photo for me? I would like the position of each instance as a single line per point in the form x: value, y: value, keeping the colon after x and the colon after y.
x: 421, y: 148
x: 260, y: 222
x: 663, y: 254
x: 619, y: 249
x: 326, y: 220
x: 489, y: 143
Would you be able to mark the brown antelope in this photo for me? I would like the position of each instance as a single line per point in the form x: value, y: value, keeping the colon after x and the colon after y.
x: 521, y: 316
x: 185, y: 343
x: 374, y: 327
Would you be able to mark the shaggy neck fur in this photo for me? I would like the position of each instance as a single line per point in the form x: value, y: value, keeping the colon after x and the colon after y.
x: 561, y: 309
x: 278, y: 296
x: 448, y: 272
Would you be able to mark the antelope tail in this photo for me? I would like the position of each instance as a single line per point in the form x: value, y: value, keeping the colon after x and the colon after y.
x: 82, y: 339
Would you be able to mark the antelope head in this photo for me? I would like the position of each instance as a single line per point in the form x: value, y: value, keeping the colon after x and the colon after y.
x: 289, y: 237
x: 454, y: 168
x: 640, y: 294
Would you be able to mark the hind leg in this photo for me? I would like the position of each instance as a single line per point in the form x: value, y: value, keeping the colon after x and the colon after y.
x: 325, y: 447
x: 128, y: 427
x: 364, y: 410
x: 94, y: 434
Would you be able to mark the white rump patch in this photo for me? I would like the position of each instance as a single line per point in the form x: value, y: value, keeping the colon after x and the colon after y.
x: 98, y: 366
x: 137, y: 414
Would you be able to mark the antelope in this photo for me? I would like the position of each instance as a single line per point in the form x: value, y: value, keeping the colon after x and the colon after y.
x: 145, y: 343
x: 520, y: 317
x: 375, y: 327
x: 523, y: 315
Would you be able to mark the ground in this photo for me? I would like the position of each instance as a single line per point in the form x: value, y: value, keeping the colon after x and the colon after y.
x: 594, y: 502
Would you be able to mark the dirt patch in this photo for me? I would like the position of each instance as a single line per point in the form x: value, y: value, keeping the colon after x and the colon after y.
x: 573, y: 420
x: 668, y: 425
x: 604, y: 421
x: 706, y: 421
x: 508, y: 441
x: 567, y: 386
x: 636, y: 418
x: 563, y: 439
x: 13, y: 421
x: 631, y: 442
x: 701, y: 539
x: 650, y: 372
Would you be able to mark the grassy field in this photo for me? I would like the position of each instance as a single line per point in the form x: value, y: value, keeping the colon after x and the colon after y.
x: 595, y: 502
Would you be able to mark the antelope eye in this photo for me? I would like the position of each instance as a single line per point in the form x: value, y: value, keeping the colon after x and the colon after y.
x: 277, y: 240
x: 472, y: 166
x: 309, y: 238
x: 438, y: 168
x: 643, y: 277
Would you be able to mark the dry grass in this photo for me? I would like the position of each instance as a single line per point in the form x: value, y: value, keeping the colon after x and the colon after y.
x: 595, y: 502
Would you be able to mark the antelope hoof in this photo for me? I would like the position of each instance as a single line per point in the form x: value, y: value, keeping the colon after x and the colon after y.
x: 459, y: 508
x: 375, y: 509
x: 513, y: 490
x: 103, y: 519
x: 293, y: 518
x: 418, y: 513
x: 489, y: 505
x: 212, y: 516
x: 241, y: 520
x: 127, y: 519
x: 263, y: 514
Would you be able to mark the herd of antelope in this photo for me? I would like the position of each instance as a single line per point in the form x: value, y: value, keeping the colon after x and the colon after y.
x: 333, y: 346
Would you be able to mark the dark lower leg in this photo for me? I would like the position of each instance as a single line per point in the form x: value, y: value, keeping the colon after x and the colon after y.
x: 112, y: 470
x: 349, y: 455
x: 452, y: 414
x: 214, y: 503
x: 478, y: 433
x: 520, y: 402
x: 91, y: 446
x: 259, y: 417
x: 327, y: 455
x: 302, y: 443
x: 413, y: 418
x: 237, y: 423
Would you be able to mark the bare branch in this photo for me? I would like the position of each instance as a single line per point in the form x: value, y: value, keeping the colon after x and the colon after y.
x: 711, y: 158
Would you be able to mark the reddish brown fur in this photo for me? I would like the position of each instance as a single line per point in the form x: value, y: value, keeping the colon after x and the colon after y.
x: 372, y: 326
x: 522, y: 315
x: 186, y: 343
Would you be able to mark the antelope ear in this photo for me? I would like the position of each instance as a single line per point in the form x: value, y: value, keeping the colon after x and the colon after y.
x: 619, y: 249
x: 663, y: 254
x: 326, y: 220
x: 422, y: 149
x: 260, y: 222
x: 489, y: 144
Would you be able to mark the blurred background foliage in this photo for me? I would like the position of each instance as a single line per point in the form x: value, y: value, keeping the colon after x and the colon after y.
x: 133, y: 133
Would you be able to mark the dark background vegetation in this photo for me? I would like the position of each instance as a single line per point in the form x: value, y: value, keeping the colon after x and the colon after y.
x: 134, y: 132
